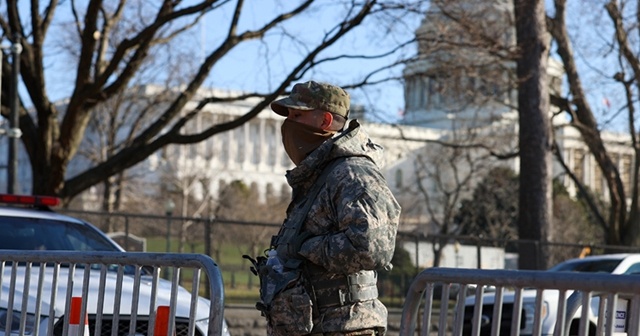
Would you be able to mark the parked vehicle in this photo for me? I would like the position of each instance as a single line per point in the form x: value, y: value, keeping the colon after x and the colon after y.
x: 454, y: 290
x: 39, y: 228
x: 612, y: 263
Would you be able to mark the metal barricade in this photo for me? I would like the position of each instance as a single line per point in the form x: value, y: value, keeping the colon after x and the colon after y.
x: 507, y: 302
x: 120, y: 293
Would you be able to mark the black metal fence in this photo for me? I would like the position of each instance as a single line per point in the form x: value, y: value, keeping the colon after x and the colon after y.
x: 229, y: 240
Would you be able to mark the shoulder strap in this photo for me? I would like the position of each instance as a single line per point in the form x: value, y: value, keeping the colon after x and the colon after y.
x: 315, y: 189
x: 291, y: 228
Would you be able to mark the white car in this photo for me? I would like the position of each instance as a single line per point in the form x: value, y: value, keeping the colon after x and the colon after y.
x: 33, y: 229
x: 611, y: 263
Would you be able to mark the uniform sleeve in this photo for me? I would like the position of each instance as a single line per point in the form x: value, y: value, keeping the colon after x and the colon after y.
x: 367, y: 218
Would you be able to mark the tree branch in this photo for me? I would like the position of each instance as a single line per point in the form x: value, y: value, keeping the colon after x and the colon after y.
x: 581, y: 188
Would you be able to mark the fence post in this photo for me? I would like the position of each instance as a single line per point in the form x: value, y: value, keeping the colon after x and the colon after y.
x: 207, y: 248
x: 417, y: 240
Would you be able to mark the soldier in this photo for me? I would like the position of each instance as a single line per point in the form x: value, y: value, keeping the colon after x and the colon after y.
x: 341, y: 224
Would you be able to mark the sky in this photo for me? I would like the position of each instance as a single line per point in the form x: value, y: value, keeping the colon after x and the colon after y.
x: 260, y: 65
x: 591, y: 33
x: 244, y: 70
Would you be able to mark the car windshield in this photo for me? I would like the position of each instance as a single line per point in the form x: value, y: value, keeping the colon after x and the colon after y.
x: 601, y: 265
x: 17, y: 233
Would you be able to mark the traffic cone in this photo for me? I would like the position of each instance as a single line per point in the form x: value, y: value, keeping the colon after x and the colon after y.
x: 161, y: 327
x: 75, y: 328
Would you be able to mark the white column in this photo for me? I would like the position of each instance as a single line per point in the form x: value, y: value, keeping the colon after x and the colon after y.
x: 591, y: 163
x: 232, y: 148
x: 570, y: 162
x: 262, y: 154
x: 277, y: 146
x: 248, y: 146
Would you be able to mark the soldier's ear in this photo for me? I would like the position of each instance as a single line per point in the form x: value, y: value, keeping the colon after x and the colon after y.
x: 327, y: 121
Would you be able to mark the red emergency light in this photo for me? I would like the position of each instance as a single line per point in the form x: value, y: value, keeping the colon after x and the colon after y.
x: 29, y: 200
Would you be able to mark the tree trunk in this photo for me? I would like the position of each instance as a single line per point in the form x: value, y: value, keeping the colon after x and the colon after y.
x: 535, y: 211
x: 107, y: 206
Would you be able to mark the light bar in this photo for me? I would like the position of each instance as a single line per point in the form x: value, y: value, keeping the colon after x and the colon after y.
x: 29, y: 200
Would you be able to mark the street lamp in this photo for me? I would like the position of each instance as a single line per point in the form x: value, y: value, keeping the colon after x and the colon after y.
x: 168, y: 210
x: 13, y: 132
x: 456, y: 247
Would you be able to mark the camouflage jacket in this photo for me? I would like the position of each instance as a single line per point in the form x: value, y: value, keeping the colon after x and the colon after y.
x: 351, y: 225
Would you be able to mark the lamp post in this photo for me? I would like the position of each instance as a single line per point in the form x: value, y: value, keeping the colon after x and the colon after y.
x: 168, y: 210
x: 14, y: 122
x: 13, y: 132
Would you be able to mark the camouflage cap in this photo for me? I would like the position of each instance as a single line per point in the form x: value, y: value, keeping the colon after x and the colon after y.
x: 313, y: 95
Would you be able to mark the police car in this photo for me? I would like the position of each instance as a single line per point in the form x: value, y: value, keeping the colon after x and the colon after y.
x: 39, y: 228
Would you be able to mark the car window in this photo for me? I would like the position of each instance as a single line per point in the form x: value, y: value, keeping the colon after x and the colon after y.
x: 602, y: 265
x: 633, y: 269
x: 43, y: 234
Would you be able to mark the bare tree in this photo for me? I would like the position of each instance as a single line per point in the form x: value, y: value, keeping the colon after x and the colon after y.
x: 111, y: 42
x: 184, y: 188
x: 621, y: 219
x: 113, y: 127
x: 445, y: 175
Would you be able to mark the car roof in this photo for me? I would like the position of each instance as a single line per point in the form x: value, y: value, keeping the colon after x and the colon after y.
x: 8, y: 211
x: 623, y: 257
x: 50, y: 215
x: 608, y: 256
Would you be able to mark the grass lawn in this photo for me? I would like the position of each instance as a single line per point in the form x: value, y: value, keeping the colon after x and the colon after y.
x: 240, y: 284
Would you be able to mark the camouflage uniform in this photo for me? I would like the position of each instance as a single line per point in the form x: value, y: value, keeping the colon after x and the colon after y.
x: 350, y: 228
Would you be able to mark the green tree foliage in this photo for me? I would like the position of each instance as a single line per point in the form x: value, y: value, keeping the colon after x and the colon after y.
x: 402, y: 264
x: 397, y: 280
x: 492, y: 213
x: 573, y: 223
